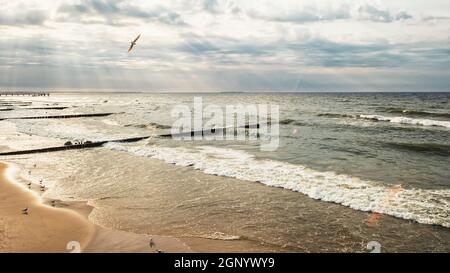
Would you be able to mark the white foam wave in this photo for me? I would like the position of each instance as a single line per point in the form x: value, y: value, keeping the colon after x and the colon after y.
x: 221, y: 236
x: 423, y: 206
x: 110, y: 122
x: 412, y: 121
x: 74, y: 130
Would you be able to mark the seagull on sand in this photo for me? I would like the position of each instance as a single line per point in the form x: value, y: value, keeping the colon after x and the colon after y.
x: 133, y: 43
x: 152, y: 244
x: 25, y: 210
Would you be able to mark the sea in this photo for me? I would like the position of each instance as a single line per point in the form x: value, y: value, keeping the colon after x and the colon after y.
x: 349, y: 169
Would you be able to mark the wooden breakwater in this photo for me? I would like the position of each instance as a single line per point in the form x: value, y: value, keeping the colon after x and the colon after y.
x: 34, y: 108
x: 45, y: 108
x: 24, y: 93
x: 85, y: 145
x: 89, y: 144
x: 211, y: 131
x: 64, y: 116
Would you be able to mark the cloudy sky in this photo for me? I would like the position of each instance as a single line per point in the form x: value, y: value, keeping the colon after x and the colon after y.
x: 226, y: 45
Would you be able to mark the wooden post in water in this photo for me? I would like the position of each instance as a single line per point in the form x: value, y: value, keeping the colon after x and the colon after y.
x: 22, y: 93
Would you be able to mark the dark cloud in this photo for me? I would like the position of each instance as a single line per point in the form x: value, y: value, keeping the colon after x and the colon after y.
x: 26, y: 17
x: 316, y: 52
x: 373, y: 13
x: 314, y: 14
x: 211, y: 5
x: 114, y: 12
x: 435, y: 18
x: 304, y: 15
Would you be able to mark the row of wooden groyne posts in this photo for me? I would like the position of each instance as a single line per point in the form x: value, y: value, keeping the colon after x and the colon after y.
x: 24, y: 93
x: 68, y: 145
x: 89, y: 144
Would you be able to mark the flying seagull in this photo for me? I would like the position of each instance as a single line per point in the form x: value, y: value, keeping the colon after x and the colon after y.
x: 134, y: 43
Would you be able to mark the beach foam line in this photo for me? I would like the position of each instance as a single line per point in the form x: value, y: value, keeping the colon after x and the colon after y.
x: 423, y: 206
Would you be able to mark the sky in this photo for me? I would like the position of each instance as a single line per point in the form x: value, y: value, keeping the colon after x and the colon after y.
x: 225, y: 45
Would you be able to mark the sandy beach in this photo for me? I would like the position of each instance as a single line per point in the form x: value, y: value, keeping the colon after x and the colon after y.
x: 43, y: 229
x: 51, y: 227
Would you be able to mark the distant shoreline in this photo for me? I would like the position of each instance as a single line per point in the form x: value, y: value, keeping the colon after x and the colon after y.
x: 219, y: 92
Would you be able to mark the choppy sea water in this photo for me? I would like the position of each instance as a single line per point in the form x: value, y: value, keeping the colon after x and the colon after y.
x: 341, y: 157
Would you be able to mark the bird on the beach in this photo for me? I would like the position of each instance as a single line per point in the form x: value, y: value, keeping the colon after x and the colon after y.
x: 133, y: 43
x: 29, y: 184
x: 152, y: 244
x: 42, y: 187
x: 160, y: 251
x: 25, y: 210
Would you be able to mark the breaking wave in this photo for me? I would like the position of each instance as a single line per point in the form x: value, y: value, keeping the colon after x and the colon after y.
x: 400, y: 120
x: 335, y: 115
x: 404, y: 120
x: 416, y: 113
x: 424, y: 206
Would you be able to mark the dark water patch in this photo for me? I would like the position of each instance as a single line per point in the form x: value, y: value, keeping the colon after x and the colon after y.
x: 151, y: 124
x: 348, y: 150
x: 109, y: 197
x: 407, y: 112
x: 286, y: 121
x: 431, y: 148
x: 291, y: 122
x: 335, y: 115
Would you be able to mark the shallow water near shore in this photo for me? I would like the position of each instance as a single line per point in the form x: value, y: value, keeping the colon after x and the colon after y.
x: 337, y: 162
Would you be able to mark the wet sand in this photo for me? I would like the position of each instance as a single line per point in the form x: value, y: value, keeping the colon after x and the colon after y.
x: 50, y: 226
